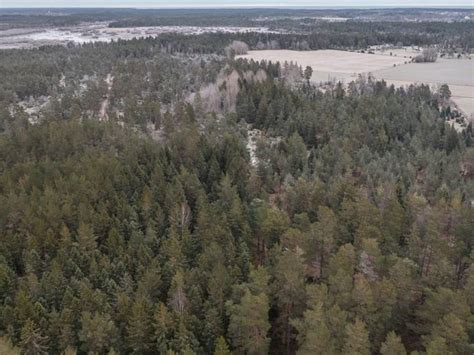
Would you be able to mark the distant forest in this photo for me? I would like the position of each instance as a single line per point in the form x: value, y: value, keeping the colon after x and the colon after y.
x: 299, y: 29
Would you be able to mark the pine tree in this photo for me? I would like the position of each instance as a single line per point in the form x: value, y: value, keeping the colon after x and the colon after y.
x: 289, y: 273
x: 394, y: 225
x: 469, y: 287
x: 139, y: 330
x: 314, y: 336
x: 213, y: 327
x: 393, y: 345
x: 323, y: 236
x: 438, y: 346
x: 184, y: 339
x: 452, y: 329
x: 357, y: 339
x: 163, y: 324
x: 31, y: 340
x: 248, y: 326
x: 97, y: 332
x: 308, y: 73
x: 341, y: 270
x: 86, y: 238
x: 221, y: 347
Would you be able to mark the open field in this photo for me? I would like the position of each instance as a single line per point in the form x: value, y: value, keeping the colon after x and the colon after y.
x: 405, y: 52
x: 331, y: 64
x: 329, y: 61
x: 457, y: 73
x: 451, y: 71
x: 100, y: 32
x: 396, y: 69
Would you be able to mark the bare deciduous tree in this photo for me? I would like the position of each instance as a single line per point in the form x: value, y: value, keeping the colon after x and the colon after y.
x: 428, y: 55
x: 237, y: 48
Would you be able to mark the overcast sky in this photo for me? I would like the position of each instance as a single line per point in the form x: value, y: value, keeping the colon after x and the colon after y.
x: 231, y: 3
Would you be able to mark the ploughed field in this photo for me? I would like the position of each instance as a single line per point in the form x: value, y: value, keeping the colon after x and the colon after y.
x: 396, y: 69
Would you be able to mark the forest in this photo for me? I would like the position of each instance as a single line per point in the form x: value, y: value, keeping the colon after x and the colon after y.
x: 159, y: 196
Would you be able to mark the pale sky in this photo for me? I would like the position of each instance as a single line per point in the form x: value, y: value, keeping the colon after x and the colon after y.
x: 234, y: 3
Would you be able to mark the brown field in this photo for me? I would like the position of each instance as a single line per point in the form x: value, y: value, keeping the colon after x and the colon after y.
x: 329, y: 61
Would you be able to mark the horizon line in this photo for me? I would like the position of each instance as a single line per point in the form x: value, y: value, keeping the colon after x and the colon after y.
x: 253, y: 7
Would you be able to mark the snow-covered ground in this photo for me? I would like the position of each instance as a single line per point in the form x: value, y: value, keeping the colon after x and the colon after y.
x: 253, y: 135
x: 100, y: 32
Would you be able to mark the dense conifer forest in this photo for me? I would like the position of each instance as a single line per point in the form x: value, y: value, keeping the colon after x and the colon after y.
x: 167, y: 198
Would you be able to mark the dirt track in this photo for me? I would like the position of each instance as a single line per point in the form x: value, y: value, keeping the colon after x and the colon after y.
x: 105, y: 103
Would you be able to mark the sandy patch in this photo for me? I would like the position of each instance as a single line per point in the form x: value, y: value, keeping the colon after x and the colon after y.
x: 104, y: 106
